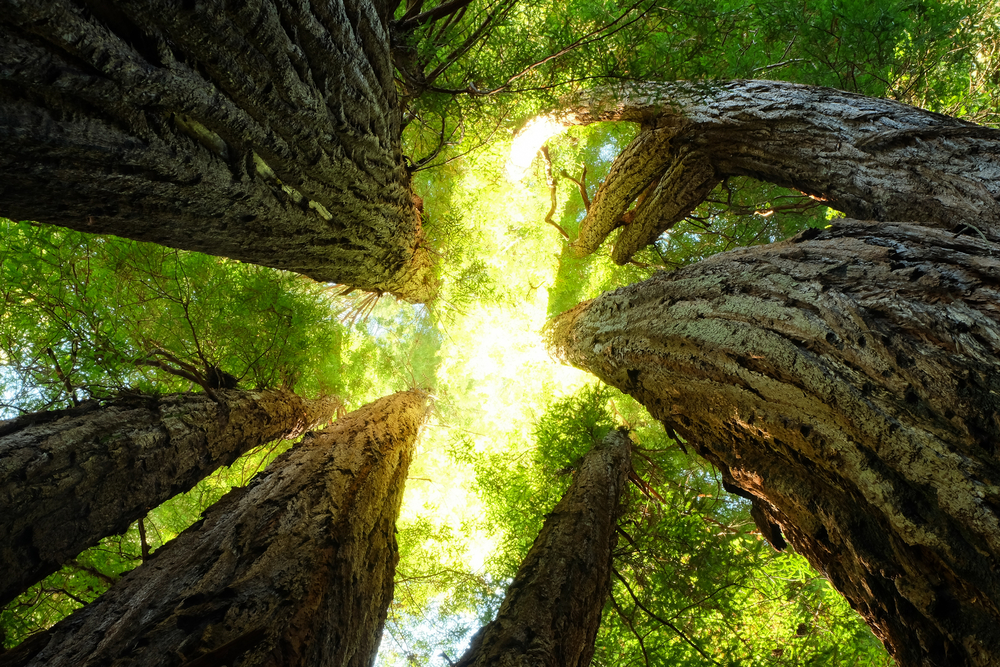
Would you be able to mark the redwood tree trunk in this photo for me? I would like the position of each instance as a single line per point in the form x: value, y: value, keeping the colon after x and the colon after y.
x: 268, y: 132
x: 294, y: 569
x: 553, y: 607
x: 869, y: 158
x: 849, y: 380
x: 70, y: 477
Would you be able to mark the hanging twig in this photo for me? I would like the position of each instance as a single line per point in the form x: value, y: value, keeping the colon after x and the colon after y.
x: 550, y: 179
x: 582, y: 184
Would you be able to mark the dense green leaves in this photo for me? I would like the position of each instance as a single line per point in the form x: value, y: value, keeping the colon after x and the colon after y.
x: 85, y: 316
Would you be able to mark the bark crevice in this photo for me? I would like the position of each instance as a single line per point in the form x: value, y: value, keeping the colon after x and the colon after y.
x: 849, y: 379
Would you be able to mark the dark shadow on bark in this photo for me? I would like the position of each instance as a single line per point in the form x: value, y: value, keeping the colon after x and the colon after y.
x: 848, y: 380
x: 294, y: 569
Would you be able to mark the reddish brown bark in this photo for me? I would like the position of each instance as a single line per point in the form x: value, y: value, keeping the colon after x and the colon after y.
x: 849, y: 381
x: 552, y: 609
x: 295, y: 569
x: 70, y: 477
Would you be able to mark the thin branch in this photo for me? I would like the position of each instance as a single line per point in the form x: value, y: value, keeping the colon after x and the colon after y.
x: 631, y: 626
x: 662, y: 620
x: 592, y: 36
x: 462, y: 49
x: 408, y: 22
x: 63, y: 377
x: 551, y: 180
x: 582, y: 184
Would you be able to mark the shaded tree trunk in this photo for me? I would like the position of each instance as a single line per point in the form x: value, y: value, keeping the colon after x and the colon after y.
x: 70, y: 477
x: 267, y: 132
x: 848, y: 381
x: 294, y: 569
x: 552, y: 609
x: 869, y: 158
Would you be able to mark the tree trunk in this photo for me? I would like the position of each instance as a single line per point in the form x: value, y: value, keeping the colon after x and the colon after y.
x: 553, y: 607
x: 848, y: 380
x: 70, y: 477
x: 294, y: 569
x: 870, y: 158
x: 268, y: 132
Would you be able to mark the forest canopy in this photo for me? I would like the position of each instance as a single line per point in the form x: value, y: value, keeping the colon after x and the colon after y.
x: 695, y: 580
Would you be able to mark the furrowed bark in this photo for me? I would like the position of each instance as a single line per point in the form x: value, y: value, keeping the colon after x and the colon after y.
x: 849, y: 381
x: 71, y: 477
x: 552, y: 609
x: 294, y: 569
x: 869, y: 158
x: 268, y: 132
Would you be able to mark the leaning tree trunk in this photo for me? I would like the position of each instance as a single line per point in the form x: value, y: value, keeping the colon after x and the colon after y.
x: 268, y: 132
x: 869, y: 158
x: 70, y: 477
x: 294, y: 569
x: 553, y: 607
x: 849, y: 381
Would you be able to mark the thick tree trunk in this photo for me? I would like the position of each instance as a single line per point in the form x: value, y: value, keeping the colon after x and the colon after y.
x: 870, y: 158
x: 553, y: 607
x: 266, y: 131
x: 849, y: 381
x: 294, y: 569
x: 70, y: 477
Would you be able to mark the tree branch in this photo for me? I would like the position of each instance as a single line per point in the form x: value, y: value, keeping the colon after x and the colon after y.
x: 551, y: 180
x: 408, y: 22
x: 662, y: 620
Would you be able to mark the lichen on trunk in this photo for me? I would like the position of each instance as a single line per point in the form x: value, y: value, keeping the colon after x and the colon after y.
x: 267, y: 132
x: 868, y: 158
x: 294, y: 569
x: 848, y: 379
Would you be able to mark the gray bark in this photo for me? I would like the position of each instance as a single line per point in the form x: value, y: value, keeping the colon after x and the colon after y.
x: 264, y: 131
x: 849, y: 381
x: 552, y: 609
x: 293, y: 570
x: 71, y: 477
x: 870, y: 158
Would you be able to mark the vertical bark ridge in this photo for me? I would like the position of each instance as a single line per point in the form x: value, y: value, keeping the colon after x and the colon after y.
x: 268, y: 132
x: 294, y: 569
x: 70, y: 478
x: 847, y: 379
x: 552, y: 609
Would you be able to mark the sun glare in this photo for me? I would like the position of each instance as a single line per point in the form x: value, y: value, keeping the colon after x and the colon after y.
x: 526, y: 143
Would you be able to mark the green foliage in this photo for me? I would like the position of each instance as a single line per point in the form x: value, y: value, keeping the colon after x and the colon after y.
x: 693, y: 578
x: 82, y: 316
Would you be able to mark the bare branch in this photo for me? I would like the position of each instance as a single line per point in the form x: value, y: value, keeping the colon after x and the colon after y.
x: 551, y: 180
x: 408, y: 22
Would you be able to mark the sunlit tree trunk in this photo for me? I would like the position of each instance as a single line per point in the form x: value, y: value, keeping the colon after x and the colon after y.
x: 869, y: 158
x: 847, y: 380
x: 70, y: 477
x: 553, y: 607
x: 268, y: 132
x: 294, y: 569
